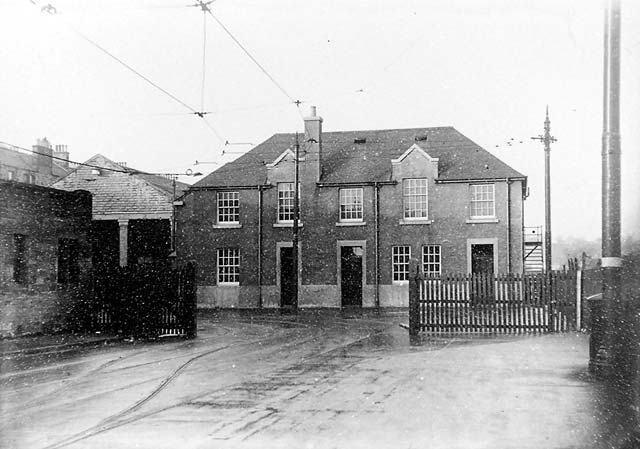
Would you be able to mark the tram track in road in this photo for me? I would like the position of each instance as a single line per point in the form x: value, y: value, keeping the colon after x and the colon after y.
x: 126, y: 416
x: 120, y: 418
x: 129, y: 414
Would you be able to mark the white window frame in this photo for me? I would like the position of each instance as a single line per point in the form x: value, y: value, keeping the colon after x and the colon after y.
x: 283, y: 201
x: 400, y: 259
x: 228, y: 207
x: 411, y: 199
x: 228, y: 266
x: 351, y: 205
x: 428, y: 265
x: 481, y: 195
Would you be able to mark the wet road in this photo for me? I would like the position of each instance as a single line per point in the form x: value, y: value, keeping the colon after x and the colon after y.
x: 311, y: 380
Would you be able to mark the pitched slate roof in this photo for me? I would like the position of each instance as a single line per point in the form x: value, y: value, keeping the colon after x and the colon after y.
x: 345, y: 161
x: 122, y: 190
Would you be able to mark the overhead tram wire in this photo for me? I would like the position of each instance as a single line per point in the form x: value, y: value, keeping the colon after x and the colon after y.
x: 53, y: 11
x: 206, y: 9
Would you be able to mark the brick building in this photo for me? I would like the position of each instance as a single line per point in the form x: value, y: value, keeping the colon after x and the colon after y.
x: 369, y: 202
x: 34, y: 168
x: 45, y: 257
x: 132, y: 211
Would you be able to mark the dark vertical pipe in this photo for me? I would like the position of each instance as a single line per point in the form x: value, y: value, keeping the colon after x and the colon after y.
x: 508, y: 225
x: 296, y: 214
x: 376, y: 211
x: 260, y: 192
x: 607, y: 311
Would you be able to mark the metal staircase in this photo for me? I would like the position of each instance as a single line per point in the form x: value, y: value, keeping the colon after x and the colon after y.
x: 533, y: 249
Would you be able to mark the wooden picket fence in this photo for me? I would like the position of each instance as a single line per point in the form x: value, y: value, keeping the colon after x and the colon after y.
x: 480, y: 303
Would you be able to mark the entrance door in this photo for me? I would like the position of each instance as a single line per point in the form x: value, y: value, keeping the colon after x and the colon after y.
x: 351, y: 272
x: 482, y: 259
x: 287, y: 279
x: 482, y: 291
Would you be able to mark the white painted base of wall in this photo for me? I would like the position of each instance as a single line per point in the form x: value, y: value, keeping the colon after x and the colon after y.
x: 311, y: 296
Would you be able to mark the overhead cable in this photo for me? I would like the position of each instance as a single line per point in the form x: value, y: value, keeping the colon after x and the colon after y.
x: 255, y: 61
x: 53, y: 11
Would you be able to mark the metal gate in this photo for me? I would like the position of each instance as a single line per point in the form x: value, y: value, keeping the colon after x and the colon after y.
x: 146, y: 301
x: 480, y: 303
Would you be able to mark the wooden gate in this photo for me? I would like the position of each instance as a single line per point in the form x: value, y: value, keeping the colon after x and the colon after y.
x: 478, y: 303
x: 146, y: 301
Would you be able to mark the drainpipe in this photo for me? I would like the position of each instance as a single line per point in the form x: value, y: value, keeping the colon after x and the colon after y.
x: 260, y: 190
x: 508, y: 225
x: 376, y: 211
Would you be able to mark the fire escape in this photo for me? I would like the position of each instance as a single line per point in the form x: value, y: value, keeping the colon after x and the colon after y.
x: 533, y: 249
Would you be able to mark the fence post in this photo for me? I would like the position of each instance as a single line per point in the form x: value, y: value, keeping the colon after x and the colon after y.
x: 579, y: 299
x: 414, y: 298
x: 190, y: 298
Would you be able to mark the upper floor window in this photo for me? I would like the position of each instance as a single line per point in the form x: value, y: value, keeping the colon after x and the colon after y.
x: 400, y: 263
x: 431, y: 259
x: 351, y: 204
x: 228, y: 207
x: 482, y: 201
x: 11, y: 175
x: 30, y: 178
x: 414, y: 196
x: 285, y: 202
x: 20, y: 258
x: 228, y: 266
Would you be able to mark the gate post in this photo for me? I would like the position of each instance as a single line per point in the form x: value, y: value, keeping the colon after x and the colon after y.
x: 190, y: 298
x: 414, y: 298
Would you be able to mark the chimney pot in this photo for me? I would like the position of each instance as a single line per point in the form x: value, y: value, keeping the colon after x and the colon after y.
x: 312, y: 111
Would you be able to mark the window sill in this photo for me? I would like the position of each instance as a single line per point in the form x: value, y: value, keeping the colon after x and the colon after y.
x: 286, y: 225
x: 421, y: 221
x: 483, y: 220
x: 228, y: 284
x: 351, y: 223
x: 399, y: 282
x: 227, y: 226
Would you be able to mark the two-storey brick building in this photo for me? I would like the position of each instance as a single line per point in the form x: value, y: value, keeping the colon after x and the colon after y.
x: 369, y: 202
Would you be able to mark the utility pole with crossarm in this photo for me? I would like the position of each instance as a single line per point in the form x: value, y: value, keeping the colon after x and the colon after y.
x: 547, y: 139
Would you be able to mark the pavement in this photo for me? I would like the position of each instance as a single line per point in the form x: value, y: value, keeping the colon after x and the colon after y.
x: 313, y: 380
x: 39, y: 344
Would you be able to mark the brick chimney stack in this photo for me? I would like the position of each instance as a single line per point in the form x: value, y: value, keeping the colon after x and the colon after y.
x: 43, y: 156
x: 313, y: 142
x: 62, y: 153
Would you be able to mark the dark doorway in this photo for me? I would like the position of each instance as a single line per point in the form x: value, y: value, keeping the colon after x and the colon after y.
x: 287, y: 279
x: 149, y: 241
x: 351, y: 272
x: 482, y: 259
x: 105, y: 245
x: 482, y: 291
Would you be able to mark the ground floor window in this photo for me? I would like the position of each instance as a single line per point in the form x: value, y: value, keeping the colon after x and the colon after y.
x: 400, y: 262
x: 228, y: 266
x: 431, y: 259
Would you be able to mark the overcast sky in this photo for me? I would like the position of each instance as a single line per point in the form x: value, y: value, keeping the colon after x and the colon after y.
x: 488, y: 68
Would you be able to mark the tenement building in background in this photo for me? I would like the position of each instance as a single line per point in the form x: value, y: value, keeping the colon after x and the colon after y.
x: 42, y: 166
x: 370, y: 201
x: 45, y: 257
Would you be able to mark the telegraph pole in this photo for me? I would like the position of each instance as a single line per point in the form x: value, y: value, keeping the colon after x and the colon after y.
x: 603, y: 342
x: 296, y: 217
x: 547, y: 139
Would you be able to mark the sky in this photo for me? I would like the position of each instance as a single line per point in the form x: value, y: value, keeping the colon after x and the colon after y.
x: 487, y: 67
